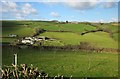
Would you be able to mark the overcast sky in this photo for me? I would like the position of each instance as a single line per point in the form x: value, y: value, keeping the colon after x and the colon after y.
x: 72, y: 11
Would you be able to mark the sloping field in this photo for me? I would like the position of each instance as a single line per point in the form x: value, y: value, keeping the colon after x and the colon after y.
x: 69, y: 27
x: 72, y: 37
x: 20, y: 31
x: 109, y: 27
x: 78, y: 27
x: 99, y: 39
x: 8, y: 40
x: 116, y: 36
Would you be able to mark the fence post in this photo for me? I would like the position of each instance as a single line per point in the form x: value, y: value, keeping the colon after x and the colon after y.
x: 15, y: 59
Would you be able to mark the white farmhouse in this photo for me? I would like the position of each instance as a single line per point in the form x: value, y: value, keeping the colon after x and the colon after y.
x: 32, y: 40
x: 27, y: 41
x: 28, y: 38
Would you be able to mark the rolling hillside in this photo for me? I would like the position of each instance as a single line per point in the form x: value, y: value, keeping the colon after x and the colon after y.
x: 64, y: 33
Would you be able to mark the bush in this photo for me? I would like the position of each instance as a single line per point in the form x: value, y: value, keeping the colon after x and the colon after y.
x: 38, y: 31
x: 85, y: 45
x: 26, y: 72
x: 21, y: 72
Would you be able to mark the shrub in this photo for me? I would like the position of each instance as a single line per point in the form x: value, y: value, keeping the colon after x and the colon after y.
x: 38, y: 31
x: 20, y: 72
x: 26, y: 72
x: 85, y: 45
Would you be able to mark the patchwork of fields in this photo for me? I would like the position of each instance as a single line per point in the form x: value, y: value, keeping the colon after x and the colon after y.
x: 67, y: 63
x: 66, y: 34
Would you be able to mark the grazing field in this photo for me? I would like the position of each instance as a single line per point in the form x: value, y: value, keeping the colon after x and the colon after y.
x: 20, y: 31
x: 77, y: 64
x: 110, y: 27
x: 70, y: 27
x: 116, y: 36
x: 98, y: 39
x: 8, y: 40
x: 78, y: 27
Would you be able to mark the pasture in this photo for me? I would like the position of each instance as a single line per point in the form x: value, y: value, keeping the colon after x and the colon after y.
x: 98, y: 39
x: 67, y: 63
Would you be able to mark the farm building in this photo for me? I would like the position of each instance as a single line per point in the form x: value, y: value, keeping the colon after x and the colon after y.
x: 12, y: 35
x: 32, y: 40
x: 27, y: 41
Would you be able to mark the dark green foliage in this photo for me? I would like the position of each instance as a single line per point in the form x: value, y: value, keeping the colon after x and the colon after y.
x: 20, y: 72
x: 26, y: 72
x: 66, y: 21
x: 38, y: 31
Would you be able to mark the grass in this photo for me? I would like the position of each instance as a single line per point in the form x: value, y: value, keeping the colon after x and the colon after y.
x: 99, y: 39
x: 27, y: 28
x: 67, y: 63
x: 53, y: 43
x: 116, y: 36
x: 8, y: 40
x: 77, y: 64
x: 110, y: 27
x: 78, y: 27
x: 52, y: 26
x: 69, y: 27
x: 20, y: 31
x: 66, y: 38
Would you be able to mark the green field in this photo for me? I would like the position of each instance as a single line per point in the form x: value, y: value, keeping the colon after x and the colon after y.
x: 21, y: 31
x: 77, y: 64
x: 98, y: 39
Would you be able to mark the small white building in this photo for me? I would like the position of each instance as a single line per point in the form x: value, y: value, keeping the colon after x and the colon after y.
x: 12, y: 35
x: 28, y: 38
x: 39, y: 39
x: 32, y: 40
x: 26, y: 41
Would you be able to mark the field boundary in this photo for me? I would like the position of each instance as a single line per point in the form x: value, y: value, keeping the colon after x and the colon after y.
x: 69, y: 48
x: 79, y: 48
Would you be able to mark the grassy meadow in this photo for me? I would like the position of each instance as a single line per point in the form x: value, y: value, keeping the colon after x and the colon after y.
x: 67, y: 63
x: 99, y: 39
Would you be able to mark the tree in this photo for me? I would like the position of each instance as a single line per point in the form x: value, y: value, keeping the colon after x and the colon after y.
x: 66, y: 21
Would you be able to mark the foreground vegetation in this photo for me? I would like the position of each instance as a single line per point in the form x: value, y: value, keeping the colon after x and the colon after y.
x: 20, y: 72
x: 67, y: 63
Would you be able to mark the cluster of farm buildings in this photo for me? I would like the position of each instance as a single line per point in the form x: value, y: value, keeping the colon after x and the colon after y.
x: 31, y: 40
